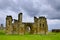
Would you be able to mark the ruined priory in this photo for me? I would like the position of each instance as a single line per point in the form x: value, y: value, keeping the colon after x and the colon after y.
x: 18, y: 27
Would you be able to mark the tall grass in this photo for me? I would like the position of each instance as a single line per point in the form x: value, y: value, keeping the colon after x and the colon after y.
x: 50, y: 36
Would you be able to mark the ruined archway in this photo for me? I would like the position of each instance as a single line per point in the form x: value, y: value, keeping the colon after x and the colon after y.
x: 28, y: 28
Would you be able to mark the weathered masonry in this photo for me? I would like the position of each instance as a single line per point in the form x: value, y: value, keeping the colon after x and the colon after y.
x: 18, y: 27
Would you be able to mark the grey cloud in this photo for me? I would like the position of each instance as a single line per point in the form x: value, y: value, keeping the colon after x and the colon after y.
x: 30, y: 8
x: 55, y: 4
x: 52, y: 13
x: 33, y: 8
x: 26, y: 5
x: 55, y: 13
x: 5, y: 4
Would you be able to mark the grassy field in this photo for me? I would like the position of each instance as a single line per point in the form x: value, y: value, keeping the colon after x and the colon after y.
x: 50, y: 36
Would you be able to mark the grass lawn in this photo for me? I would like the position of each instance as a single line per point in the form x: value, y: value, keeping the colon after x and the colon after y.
x: 50, y: 36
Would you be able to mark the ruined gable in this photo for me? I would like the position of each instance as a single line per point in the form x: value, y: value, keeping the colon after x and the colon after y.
x: 18, y: 27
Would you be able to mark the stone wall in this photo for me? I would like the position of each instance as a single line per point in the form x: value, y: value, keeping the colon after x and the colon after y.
x: 43, y: 25
x: 15, y: 27
x: 9, y: 25
x: 18, y: 27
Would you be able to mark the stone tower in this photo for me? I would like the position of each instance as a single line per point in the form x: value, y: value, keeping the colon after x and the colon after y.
x: 35, y: 25
x: 42, y: 24
x: 1, y: 26
x: 9, y: 25
x: 21, y: 26
x: 15, y: 26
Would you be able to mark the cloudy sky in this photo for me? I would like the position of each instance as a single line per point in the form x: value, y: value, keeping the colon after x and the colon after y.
x: 30, y: 8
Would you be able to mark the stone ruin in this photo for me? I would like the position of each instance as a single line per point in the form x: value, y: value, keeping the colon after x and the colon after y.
x: 18, y: 27
x: 1, y: 27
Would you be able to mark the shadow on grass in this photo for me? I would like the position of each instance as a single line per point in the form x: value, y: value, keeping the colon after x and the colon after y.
x: 1, y: 33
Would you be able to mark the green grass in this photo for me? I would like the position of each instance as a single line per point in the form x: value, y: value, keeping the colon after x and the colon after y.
x: 50, y: 36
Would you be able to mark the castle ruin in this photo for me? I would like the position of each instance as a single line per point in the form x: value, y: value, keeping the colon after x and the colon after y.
x: 18, y: 27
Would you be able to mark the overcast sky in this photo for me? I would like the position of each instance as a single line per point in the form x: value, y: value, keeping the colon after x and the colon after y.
x: 30, y: 8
